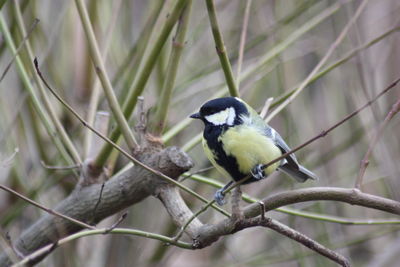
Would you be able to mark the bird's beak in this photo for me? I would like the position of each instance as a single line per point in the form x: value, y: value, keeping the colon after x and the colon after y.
x: 195, y: 116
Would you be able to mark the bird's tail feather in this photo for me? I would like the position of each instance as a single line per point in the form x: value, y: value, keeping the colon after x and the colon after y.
x: 301, y: 174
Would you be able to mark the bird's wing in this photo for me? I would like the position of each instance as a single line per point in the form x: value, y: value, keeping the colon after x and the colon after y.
x: 279, y: 142
x: 257, y: 121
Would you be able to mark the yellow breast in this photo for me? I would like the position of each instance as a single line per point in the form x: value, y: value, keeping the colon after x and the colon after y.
x: 250, y: 147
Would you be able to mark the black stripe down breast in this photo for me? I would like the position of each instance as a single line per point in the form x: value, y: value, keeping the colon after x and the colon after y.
x: 229, y: 163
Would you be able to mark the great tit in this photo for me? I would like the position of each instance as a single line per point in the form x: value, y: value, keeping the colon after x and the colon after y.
x: 238, y: 142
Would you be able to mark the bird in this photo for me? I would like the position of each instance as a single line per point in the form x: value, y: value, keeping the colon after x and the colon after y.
x: 238, y: 142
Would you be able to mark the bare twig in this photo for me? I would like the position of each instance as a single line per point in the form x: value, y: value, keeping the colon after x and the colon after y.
x: 365, y: 161
x: 114, y: 225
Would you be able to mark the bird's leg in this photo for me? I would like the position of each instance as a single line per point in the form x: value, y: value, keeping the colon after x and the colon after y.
x: 237, y: 213
x: 258, y: 172
x: 220, y: 195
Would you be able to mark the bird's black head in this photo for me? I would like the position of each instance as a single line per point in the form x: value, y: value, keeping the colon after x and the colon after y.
x: 222, y: 111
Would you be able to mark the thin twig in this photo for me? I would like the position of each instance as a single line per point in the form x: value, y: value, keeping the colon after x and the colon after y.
x: 114, y: 225
x: 31, y: 28
x: 365, y: 161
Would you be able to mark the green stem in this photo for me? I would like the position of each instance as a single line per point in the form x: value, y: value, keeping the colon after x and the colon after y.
x: 47, y: 104
x: 96, y: 91
x: 34, y: 98
x: 221, y: 50
x: 123, y: 231
x: 140, y: 83
x: 178, y: 43
x: 138, y: 50
x: 101, y: 72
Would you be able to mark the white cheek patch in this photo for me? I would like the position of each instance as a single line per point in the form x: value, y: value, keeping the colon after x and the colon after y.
x: 231, y: 116
x: 226, y: 116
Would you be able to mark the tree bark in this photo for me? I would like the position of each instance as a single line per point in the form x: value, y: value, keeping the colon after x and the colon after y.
x: 118, y: 193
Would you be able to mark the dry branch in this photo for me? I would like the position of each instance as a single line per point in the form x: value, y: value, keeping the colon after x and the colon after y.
x: 120, y: 192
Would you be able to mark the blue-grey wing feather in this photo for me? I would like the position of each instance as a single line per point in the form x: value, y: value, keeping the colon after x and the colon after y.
x: 289, y: 165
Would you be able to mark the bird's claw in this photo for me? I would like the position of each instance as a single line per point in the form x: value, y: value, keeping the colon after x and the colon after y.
x: 258, y: 172
x: 219, y: 197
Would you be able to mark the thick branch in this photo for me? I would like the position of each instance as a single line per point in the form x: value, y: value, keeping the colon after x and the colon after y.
x: 120, y: 192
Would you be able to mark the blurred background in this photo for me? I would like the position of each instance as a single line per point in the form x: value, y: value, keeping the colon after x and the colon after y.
x: 285, y: 41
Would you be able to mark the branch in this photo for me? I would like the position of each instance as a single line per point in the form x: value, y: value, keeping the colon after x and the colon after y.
x: 120, y: 192
x: 350, y: 196
x: 221, y: 50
